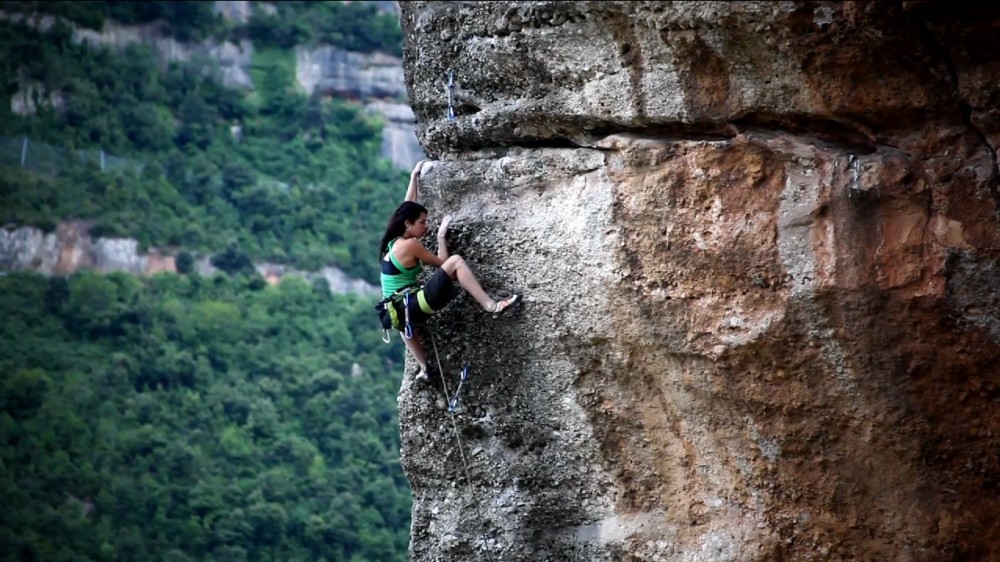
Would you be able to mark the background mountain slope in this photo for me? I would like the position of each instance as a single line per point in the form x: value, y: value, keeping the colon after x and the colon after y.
x: 183, y: 417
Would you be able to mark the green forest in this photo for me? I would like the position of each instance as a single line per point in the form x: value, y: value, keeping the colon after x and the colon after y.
x: 355, y: 26
x: 189, y: 418
x: 181, y: 417
x: 304, y: 184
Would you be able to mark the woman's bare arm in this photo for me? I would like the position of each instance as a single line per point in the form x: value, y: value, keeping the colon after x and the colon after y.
x: 411, y: 190
x: 412, y: 248
x: 443, y: 238
x: 428, y: 258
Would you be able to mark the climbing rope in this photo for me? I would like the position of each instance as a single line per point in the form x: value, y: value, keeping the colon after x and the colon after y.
x: 473, y: 493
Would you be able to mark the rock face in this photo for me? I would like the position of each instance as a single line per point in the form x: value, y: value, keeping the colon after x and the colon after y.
x: 328, y: 70
x: 33, y: 94
x: 759, y: 245
x: 233, y: 10
x: 376, y: 79
x: 399, y: 144
x: 231, y: 59
x: 71, y: 248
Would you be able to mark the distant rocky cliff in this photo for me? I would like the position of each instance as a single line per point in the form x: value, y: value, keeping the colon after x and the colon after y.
x: 375, y: 79
x: 71, y: 248
x: 760, y: 248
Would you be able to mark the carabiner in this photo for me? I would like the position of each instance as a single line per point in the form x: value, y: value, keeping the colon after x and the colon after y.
x: 407, y: 330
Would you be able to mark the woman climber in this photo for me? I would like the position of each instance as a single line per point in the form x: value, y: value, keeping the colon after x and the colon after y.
x: 402, y: 258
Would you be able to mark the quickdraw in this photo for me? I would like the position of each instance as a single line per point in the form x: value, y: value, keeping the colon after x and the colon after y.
x: 456, y: 401
x: 451, y: 93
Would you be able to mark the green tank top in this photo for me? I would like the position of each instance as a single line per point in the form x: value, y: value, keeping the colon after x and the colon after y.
x: 405, y: 277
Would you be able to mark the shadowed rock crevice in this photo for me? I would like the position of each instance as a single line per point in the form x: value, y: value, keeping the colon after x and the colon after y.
x: 839, y: 133
x: 947, y: 59
x: 950, y: 44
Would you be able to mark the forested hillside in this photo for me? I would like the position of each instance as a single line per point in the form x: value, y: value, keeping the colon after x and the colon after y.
x: 180, y: 417
x: 184, y: 418
x: 355, y: 26
x: 301, y: 183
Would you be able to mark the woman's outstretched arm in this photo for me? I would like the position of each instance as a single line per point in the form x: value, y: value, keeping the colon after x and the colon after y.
x: 411, y: 190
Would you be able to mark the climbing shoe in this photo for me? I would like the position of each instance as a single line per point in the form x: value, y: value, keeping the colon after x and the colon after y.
x: 505, y: 305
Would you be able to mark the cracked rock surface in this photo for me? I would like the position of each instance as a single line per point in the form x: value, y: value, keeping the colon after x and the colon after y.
x: 758, y: 243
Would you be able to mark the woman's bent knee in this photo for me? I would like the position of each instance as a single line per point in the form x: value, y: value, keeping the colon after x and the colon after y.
x: 453, y: 263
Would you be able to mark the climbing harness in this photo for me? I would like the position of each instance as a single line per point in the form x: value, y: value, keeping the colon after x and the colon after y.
x: 458, y: 439
x: 456, y: 402
x: 451, y: 92
x: 389, y: 305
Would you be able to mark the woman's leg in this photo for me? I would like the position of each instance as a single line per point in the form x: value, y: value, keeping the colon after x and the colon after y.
x: 458, y: 270
x: 416, y: 347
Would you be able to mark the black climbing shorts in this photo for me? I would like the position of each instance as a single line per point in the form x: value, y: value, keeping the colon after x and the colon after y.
x: 437, y: 292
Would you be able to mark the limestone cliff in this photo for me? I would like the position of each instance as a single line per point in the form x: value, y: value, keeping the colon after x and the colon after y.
x: 759, y: 246
x: 71, y: 248
x: 374, y: 78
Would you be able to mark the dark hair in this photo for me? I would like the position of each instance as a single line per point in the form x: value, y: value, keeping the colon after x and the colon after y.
x: 408, y: 211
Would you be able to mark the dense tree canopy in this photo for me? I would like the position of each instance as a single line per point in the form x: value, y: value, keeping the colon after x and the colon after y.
x: 191, y: 418
x: 179, y: 417
x: 355, y: 26
x: 185, y: 19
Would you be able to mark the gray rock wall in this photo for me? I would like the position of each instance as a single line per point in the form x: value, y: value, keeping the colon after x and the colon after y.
x: 328, y: 70
x: 376, y: 79
x: 233, y: 10
x: 398, y: 141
